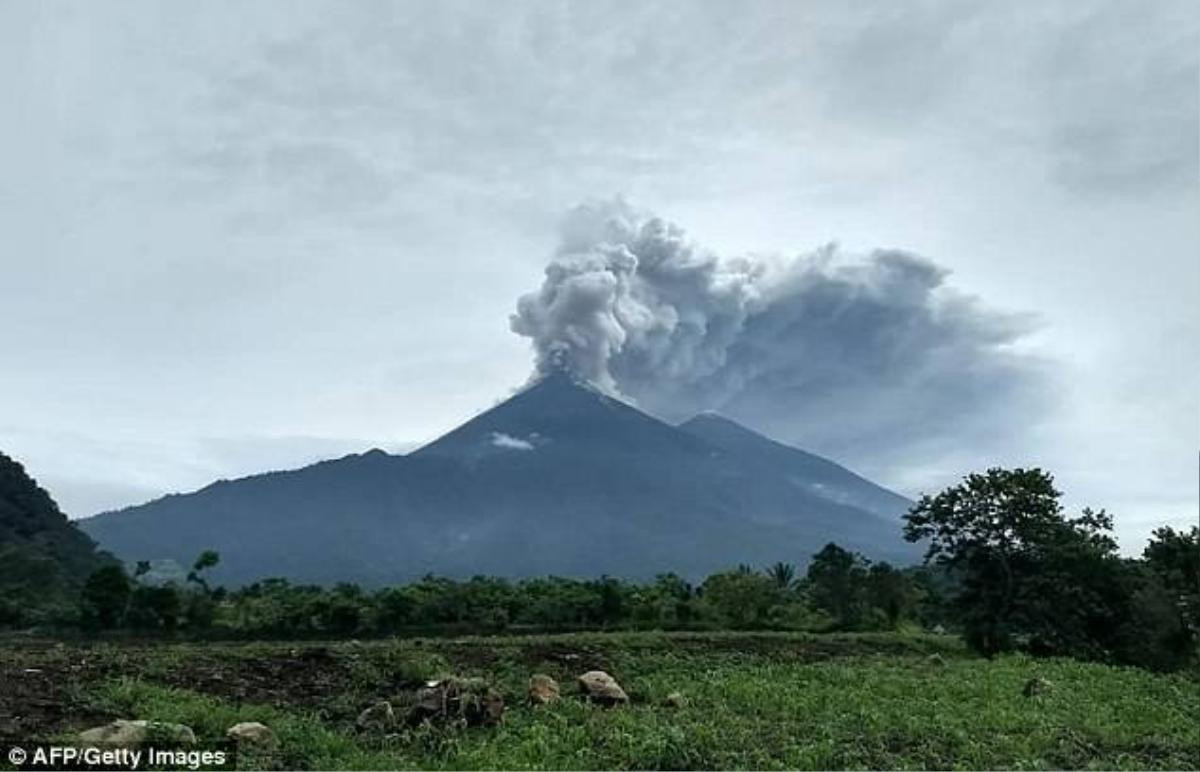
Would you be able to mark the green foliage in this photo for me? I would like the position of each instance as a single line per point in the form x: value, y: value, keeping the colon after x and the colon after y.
x: 1033, y: 578
x: 741, y: 599
x: 154, y: 608
x: 44, y: 558
x: 890, y: 592
x: 206, y: 560
x: 837, y: 584
x: 304, y: 743
x: 1163, y: 632
x: 1173, y: 558
x: 755, y: 701
x: 106, y: 596
x: 783, y: 574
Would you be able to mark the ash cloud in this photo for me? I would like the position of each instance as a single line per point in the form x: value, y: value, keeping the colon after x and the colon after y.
x: 869, y: 357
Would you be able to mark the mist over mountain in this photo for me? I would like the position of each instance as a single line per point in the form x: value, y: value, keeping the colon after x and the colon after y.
x: 559, y: 479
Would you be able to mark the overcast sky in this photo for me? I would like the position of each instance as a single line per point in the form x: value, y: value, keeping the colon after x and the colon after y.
x: 237, y: 236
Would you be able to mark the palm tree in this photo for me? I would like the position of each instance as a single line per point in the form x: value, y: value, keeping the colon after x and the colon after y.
x: 784, y: 574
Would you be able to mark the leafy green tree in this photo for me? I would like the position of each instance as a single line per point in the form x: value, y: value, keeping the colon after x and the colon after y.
x: 837, y: 585
x: 105, y: 596
x: 1174, y: 557
x: 891, y: 592
x: 395, y: 608
x: 984, y: 527
x: 740, y: 598
x: 1165, y: 631
x: 154, y: 608
x: 612, y: 606
x: 1030, y: 575
x: 206, y: 560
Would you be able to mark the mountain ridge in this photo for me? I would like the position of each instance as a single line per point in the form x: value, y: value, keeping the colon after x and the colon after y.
x: 560, y: 478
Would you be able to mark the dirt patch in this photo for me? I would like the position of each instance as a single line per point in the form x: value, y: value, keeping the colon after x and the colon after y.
x: 41, y: 697
x: 280, y: 680
x: 576, y: 658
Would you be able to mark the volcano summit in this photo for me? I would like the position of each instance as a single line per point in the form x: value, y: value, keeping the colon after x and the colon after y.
x: 559, y: 479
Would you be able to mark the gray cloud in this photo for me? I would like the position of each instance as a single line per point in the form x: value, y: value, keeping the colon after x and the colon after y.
x: 850, y: 355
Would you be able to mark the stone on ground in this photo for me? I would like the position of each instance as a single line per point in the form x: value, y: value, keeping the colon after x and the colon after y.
x: 600, y: 687
x: 132, y: 734
x: 1036, y: 686
x: 469, y: 701
x: 675, y: 700
x: 251, y: 733
x: 543, y: 689
x: 378, y: 717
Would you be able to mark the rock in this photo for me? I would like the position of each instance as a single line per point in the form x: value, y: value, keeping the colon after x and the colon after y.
x: 935, y: 660
x: 376, y: 718
x: 938, y: 630
x: 430, y: 704
x: 543, y: 689
x: 493, y: 708
x: 600, y: 687
x: 675, y: 700
x: 251, y: 733
x: 468, y: 700
x: 132, y: 734
x: 1036, y: 686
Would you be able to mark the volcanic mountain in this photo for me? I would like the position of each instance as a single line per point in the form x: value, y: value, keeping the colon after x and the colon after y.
x: 559, y: 479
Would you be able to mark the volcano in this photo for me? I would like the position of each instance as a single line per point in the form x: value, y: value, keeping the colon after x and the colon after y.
x: 559, y: 479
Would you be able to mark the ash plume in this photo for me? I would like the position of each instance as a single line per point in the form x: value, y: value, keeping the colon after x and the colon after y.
x: 857, y: 355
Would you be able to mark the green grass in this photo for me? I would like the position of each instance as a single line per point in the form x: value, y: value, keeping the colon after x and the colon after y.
x: 858, y: 702
x: 304, y: 742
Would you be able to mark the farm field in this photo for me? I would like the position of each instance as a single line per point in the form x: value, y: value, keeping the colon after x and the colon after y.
x: 751, y: 701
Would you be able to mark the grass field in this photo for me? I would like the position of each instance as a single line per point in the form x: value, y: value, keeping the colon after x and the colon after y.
x: 755, y: 701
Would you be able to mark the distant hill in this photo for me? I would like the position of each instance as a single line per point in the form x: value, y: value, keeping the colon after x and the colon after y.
x: 44, y: 557
x: 559, y: 479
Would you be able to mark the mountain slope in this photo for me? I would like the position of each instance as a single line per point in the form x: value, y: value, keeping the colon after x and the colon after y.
x: 559, y: 479
x: 44, y: 558
x: 819, y: 475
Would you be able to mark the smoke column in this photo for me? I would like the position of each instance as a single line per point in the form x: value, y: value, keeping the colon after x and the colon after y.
x: 837, y: 351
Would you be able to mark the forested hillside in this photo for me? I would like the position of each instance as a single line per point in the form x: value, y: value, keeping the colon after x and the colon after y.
x: 44, y: 558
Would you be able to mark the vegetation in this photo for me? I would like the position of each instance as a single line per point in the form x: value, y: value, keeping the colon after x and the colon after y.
x: 753, y: 700
x: 1005, y: 566
x: 1033, y: 578
x: 778, y: 668
x: 44, y: 558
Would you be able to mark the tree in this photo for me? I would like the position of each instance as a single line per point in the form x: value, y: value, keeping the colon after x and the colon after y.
x: 1167, y: 602
x: 1174, y: 557
x: 741, y: 598
x: 891, y: 592
x: 207, y: 559
x: 105, y: 596
x: 154, y: 608
x: 1030, y: 575
x: 837, y: 583
x: 784, y: 575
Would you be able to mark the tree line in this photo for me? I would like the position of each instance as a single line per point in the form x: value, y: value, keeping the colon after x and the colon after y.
x: 1005, y: 566
x: 776, y: 597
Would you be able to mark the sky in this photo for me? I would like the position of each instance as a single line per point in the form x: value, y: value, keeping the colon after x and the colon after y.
x: 241, y: 236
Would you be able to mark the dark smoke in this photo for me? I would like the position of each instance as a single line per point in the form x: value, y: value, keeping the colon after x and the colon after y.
x: 861, y: 357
